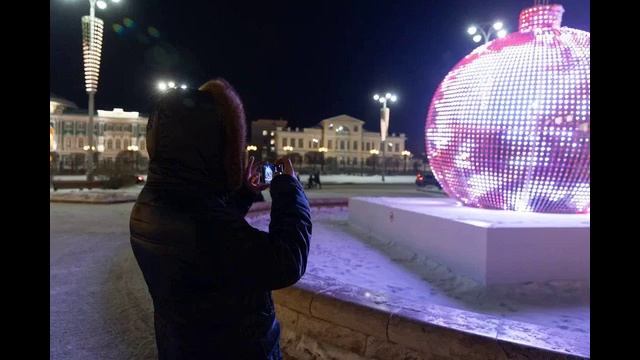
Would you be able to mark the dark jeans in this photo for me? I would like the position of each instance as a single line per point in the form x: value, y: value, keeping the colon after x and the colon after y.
x: 175, y: 345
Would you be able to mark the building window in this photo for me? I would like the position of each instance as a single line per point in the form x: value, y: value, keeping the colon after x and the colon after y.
x: 355, y: 145
x: 109, y: 144
x: 368, y: 146
x: 330, y: 144
x: 300, y: 143
x: 118, y: 144
x: 284, y: 142
x: 67, y: 143
x: 355, y: 161
x: 341, y: 144
x: 397, y: 147
x: 310, y: 145
x: 362, y: 146
x: 355, y: 128
x: 125, y: 144
x: 264, y: 132
x: 81, y: 142
x: 143, y: 144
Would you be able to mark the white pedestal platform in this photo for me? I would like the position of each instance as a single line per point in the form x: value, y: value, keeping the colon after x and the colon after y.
x: 489, y: 246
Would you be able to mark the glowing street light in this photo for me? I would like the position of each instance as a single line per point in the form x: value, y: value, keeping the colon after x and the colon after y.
x: 384, y: 123
x: 322, y: 151
x: 92, y: 34
x: 164, y: 86
x: 374, y: 153
x: 406, y: 154
x: 486, y: 31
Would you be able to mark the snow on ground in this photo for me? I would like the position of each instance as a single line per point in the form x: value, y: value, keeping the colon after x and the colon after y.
x: 357, y: 179
x: 326, y: 179
x: 80, y: 177
x: 134, y: 189
x: 342, y: 253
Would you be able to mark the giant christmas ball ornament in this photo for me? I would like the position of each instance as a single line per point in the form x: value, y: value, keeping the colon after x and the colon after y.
x: 508, y: 127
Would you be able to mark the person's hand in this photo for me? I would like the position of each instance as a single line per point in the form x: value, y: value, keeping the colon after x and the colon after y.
x: 287, y: 167
x: 252, y: 177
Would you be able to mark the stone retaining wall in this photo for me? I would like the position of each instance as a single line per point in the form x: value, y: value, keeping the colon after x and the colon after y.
x: 324, y: 320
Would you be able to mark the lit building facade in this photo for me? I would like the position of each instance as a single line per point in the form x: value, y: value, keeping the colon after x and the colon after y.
x: 338, y: 142
x: 114, y: 132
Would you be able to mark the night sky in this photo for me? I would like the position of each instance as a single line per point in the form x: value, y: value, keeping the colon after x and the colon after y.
x: 302, y: 61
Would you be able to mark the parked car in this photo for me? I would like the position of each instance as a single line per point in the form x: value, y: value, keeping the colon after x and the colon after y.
x: 422, y: 180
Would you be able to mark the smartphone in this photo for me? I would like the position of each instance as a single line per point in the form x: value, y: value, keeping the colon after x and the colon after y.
x: 269, y: 170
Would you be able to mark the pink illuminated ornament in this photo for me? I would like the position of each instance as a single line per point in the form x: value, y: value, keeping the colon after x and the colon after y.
x: 508, y: 127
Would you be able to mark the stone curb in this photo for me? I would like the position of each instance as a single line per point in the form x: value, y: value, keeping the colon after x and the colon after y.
x: 443, y: 332
x: 92, y: 198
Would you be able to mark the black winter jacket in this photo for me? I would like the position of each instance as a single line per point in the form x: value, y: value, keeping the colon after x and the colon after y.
x: 209, y: 273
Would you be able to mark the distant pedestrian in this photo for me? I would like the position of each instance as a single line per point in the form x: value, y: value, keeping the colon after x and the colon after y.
x: 317, y: 179
x: 310, y: 182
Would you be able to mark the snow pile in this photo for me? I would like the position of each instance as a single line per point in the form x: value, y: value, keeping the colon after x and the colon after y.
x: 344, y: 254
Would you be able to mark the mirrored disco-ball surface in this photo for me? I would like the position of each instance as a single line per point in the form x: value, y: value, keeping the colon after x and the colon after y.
x: 508, y: 127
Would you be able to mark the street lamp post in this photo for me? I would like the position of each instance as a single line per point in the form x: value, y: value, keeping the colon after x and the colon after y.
x: 250, y: 148
x: 322, y: 151
x: 374, y: 154
x: 92, y: 31
x: 484, y: 32
x: 384, y: 124
x: 406, y: 154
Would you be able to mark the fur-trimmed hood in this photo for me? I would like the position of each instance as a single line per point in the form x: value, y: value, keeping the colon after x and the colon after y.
x: 196, y: 138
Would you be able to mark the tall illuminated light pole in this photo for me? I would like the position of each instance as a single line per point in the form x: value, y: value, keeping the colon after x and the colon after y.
x: 384, y: 124
x: 250, y: 149
x: 92, y: 34
x: 406, y: 154
x: 485, y: 32
x: 322, y: 151
x: 374, y: 154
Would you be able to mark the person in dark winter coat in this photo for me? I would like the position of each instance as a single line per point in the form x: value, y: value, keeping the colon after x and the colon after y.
x: 209, y: 273
x: 316, y: 179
